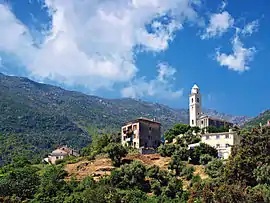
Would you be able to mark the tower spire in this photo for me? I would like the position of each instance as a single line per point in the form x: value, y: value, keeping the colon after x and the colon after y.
x: 195, y: 107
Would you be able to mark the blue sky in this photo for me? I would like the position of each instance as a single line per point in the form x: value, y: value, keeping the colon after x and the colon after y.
x: 153, y: 50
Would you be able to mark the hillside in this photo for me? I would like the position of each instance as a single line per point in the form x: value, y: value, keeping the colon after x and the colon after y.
x: 42, y: 116
x: 261, y: 118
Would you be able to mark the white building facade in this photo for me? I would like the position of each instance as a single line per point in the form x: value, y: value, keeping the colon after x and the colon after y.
x: 195, y: 106
x: 223, y: 142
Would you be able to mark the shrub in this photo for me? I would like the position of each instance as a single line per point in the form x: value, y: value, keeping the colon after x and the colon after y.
x: 167, y: 149
x: 188, y: 172
x: 176, y: 164
x: 205, y: 159
x: 198, y: 151
x: 214, y: 168
x: 115, y: 153
x: 262, y: 174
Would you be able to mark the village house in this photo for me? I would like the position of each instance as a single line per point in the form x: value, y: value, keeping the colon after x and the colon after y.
x: 223, y: 142
x: 141, y: 133
x: 61, y: 153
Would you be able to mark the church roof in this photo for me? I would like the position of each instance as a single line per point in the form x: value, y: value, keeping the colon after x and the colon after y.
x: 212, y: 118
x: 195, y: 87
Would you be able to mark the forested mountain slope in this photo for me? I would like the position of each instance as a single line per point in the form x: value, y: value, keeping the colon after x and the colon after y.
x: 43, y: 116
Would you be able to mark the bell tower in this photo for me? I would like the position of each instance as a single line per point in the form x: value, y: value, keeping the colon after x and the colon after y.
x: 195, y: 105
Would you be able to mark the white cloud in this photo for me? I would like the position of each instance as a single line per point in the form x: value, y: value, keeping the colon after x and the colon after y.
x: 160, y: 87
x: 219, y: 24
x: 239, y: 59
x: 250, y: 28
x: 93, y: 43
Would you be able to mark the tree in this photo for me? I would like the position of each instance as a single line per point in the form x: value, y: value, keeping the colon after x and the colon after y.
x: 167, y: 149
x: 178, y: 129
x: 176, y: 164
x: 259, y: 193
x: 188, y: 172
x: 116, y: 152
x: 214, y: 168
x: 21, y: 182
x: 205, y: 159
x: 262, y: 174
x: 129, y: 176
x: 252, y: 152
x: 173, y: 189
x: 182, y: 153
x: 156, y: 187
x: 52, y: 182
x: 203, y: 148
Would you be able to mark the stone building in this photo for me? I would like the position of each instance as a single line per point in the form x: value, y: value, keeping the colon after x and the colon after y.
x: 196, y: 116
x: 60, y: 153
x: 141, y: 133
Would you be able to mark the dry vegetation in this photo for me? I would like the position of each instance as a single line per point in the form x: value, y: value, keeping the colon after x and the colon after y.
x: 103, y: 165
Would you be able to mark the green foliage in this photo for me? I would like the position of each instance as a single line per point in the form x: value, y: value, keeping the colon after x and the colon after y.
x: 259, y: 193
x: 129, y: 176
x: 133, y: 196
x: 187, y: 172
x: 52, y: 181
x: 214, y: 129
x: 21, y: 182
x: 99, y: 144
x: 214, y: 168
x: 262, y: 174
x: 182, y: 153
x: 205, y: 159
x: 176, y: 164
x: 252, y: 152
x: 188, y: 139
x: 244, y: 177
x: 198, y: 151
x: 230, y: 193
x: 178, y: 129
x: 115, y: 153
x: 174, y: 188
x: 167, y: 149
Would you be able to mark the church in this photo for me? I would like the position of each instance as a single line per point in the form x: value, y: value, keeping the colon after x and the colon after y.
x: 197, y: 117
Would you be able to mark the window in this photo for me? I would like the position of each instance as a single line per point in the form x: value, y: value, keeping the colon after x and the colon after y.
x: 124, y: 138
x: 134, y: 127
x: 192, y: 100
x: 134, y: 144
x: 202, y: 122
x: 227, y: 145
x: 217, y: 137
x: 134, y: 135
x: 227, y: 136
x: 198, y: 100
x: 192, y: 121
x: 218, y: 146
